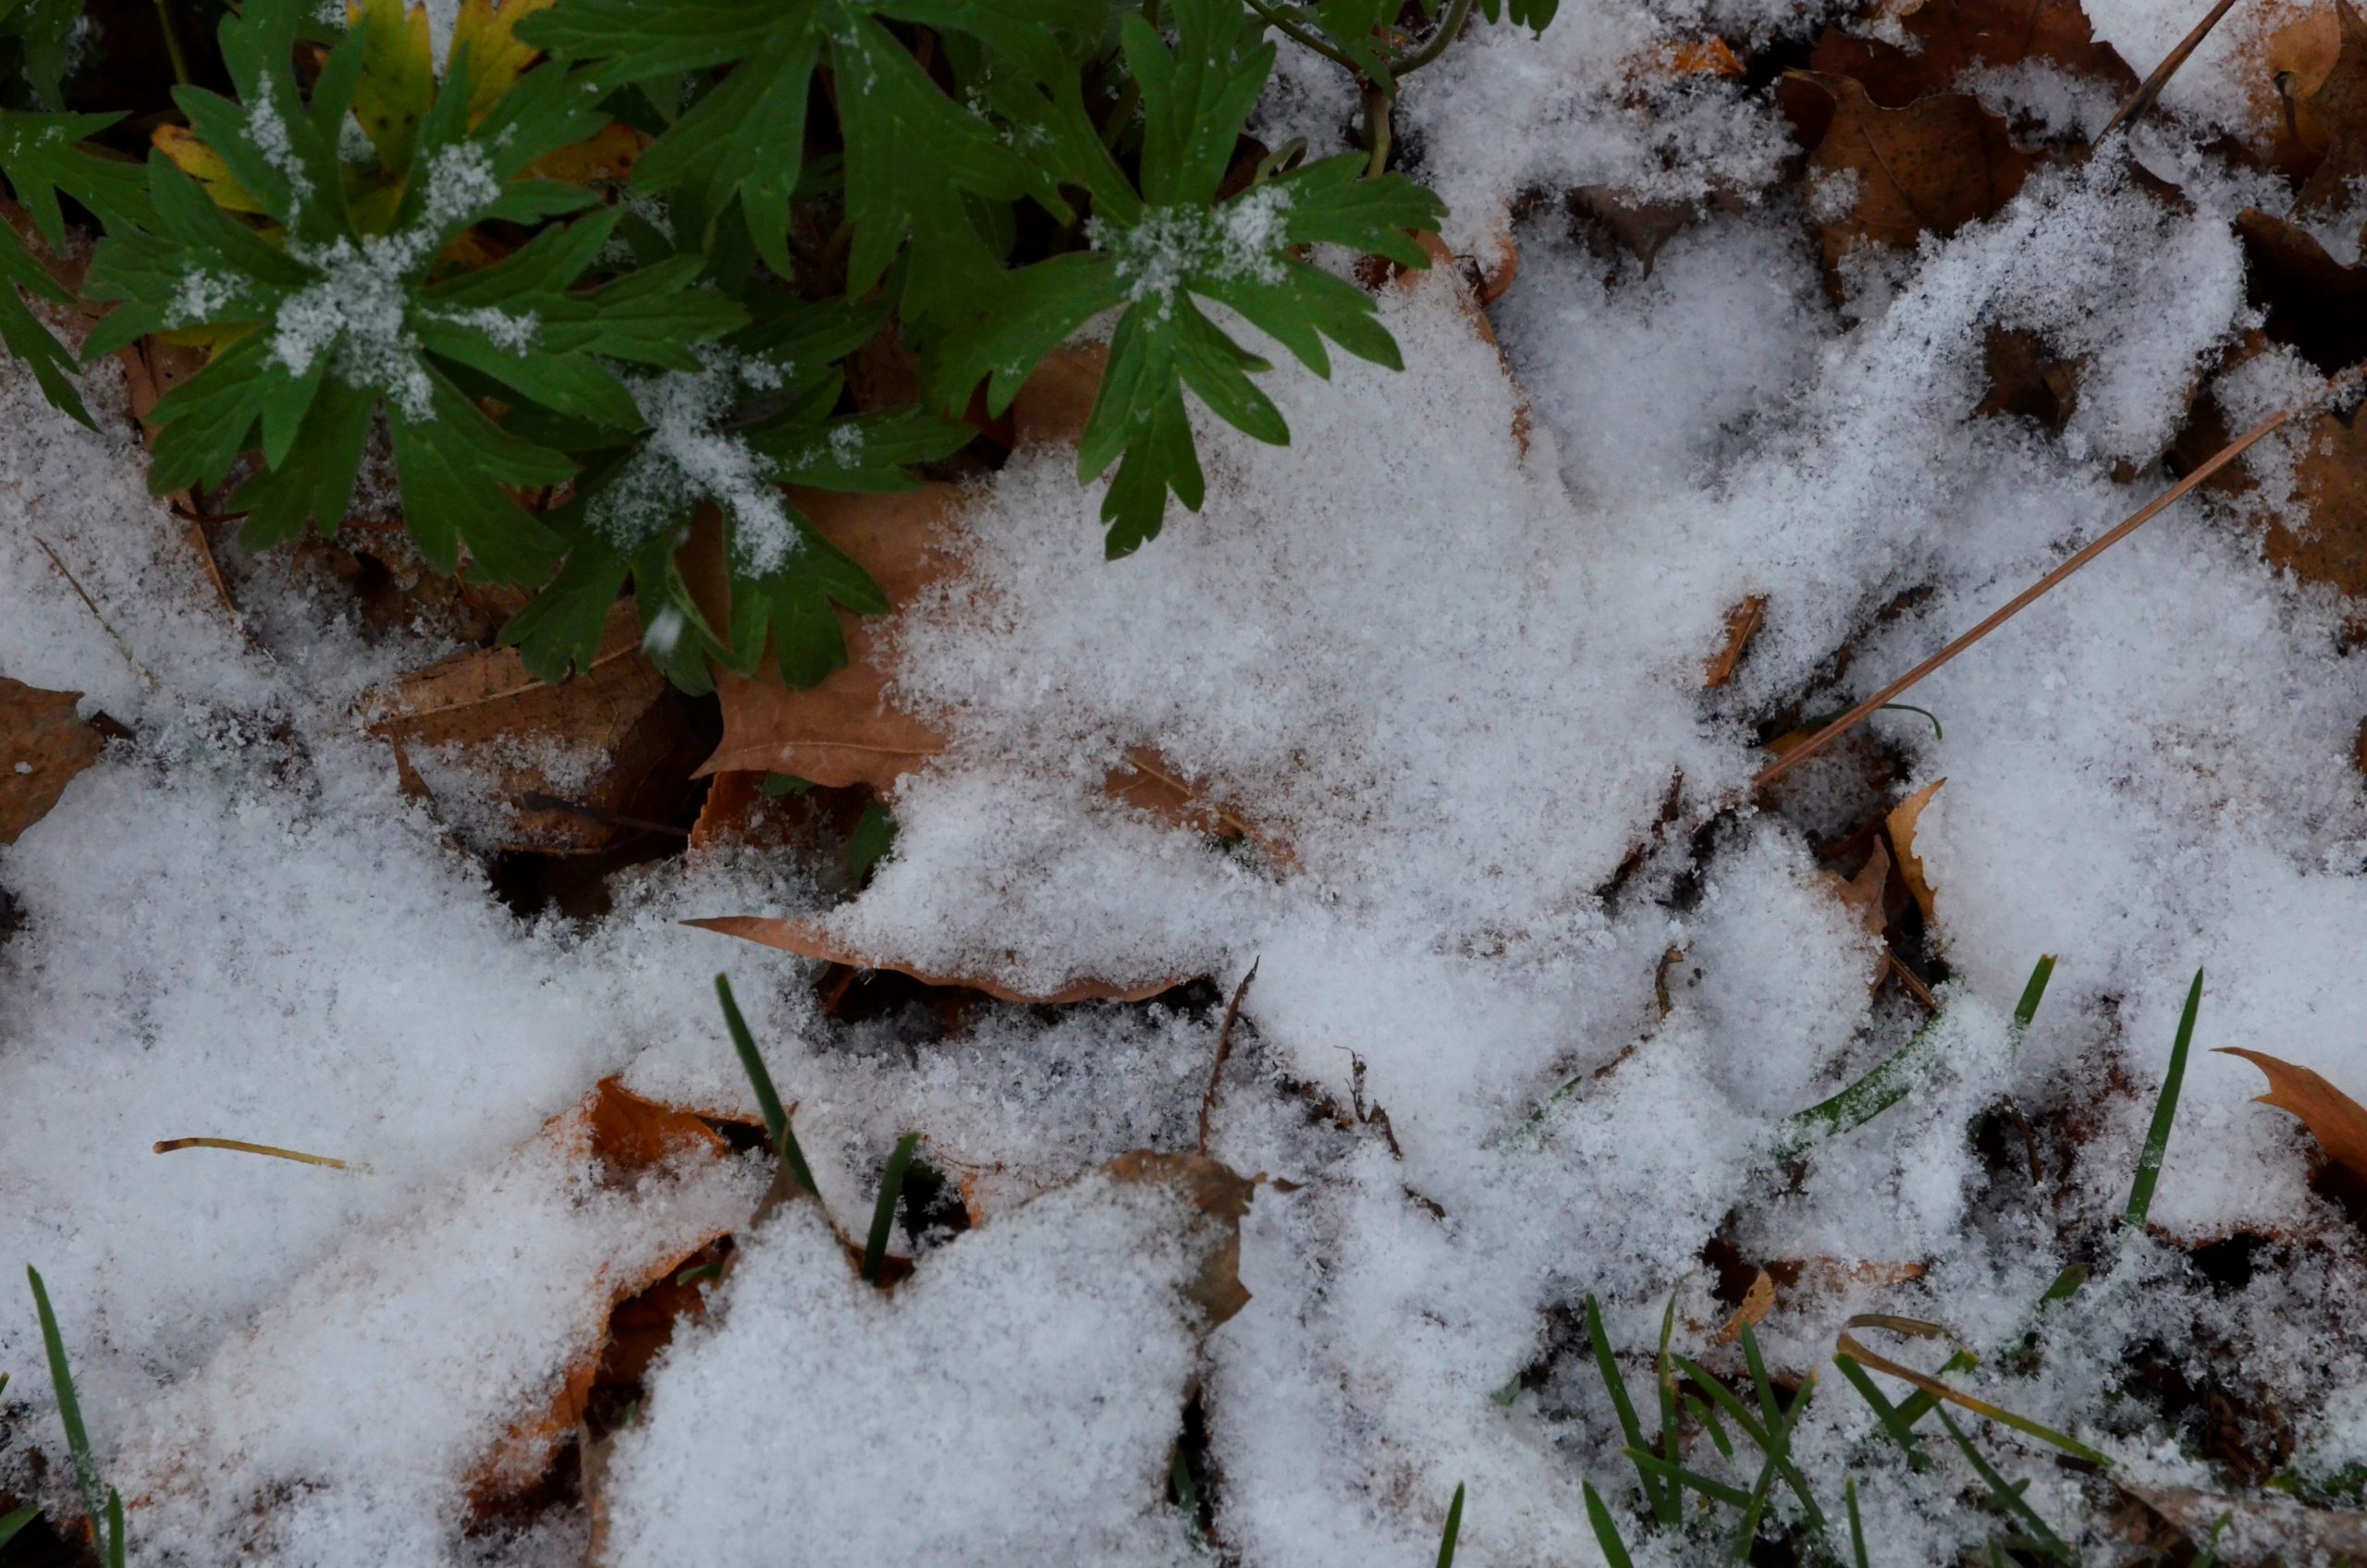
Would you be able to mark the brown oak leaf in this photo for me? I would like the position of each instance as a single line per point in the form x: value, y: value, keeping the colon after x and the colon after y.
x: 42, y: 745
x: 1891, y: 176
x: 2334, y: 1119
x: 1947, y: 37
x: 807, y: 939
x: 597, y: 742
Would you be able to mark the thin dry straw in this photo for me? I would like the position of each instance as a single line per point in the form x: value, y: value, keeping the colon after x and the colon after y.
x: 2020, y: 602
x: 2150, y: 87
x: 240, y: 1146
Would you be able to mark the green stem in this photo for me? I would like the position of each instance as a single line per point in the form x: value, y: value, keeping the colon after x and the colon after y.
x: 1377, y: 129
x: 1299, y: 34
x: 172, y: 42
x: 1449, y: 29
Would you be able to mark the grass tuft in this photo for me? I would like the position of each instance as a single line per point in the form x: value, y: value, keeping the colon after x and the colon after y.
x: 1454, y: 1528
x: 2166, y: 1110
x: 1662, y: 1499
x: 767, y: 1099
x: 883, y: 1214
x: 103, y: 1504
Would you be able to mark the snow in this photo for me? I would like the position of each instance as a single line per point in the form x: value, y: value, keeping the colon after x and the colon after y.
x: 1445, y: 653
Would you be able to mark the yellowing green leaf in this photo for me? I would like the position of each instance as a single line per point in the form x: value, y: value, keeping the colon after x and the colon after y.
x: 203, y: 165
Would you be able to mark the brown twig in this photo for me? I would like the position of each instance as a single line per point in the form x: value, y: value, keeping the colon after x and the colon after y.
x: 2020, y: 602
x: 2150, y: 87
x: 1224, y: 1049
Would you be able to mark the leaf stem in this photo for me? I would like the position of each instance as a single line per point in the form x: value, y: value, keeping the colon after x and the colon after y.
x: 172, y: 43
x: 1435, y: 45
x: 1298, y: 34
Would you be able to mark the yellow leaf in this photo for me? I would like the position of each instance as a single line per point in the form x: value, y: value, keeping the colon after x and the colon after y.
x: 496, y: 58
x: 398, y: 80
x: 610, y: 155
x: 203, y: 165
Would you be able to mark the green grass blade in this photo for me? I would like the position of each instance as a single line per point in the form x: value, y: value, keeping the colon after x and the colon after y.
x: 1676, y: 1478
x: 883, y: 1215
x: 1672, y: 1430
x: 2166, y: 1110
x: 1606, y: 1533
x: 1856, y: 1527
x: 1664, y: 1507
x: 2066, y: 1284
x: 1894, y: 1421
x: 1454, y: 1528
x: 2008, y: 1497
x: 767, y: 1099
x: 1715, y: 1428
x: 1779, y: 1443
x: 1758, y: 1380
x: 1766, y: 1438
x: 1919, y: 1404
x: 1187, y: 1498
x: 69, y: 1408
x: 11, y: 1524
x: 115, y: 1528
x: 2210, y: 1554
x: 1889, y: 1082
x: 2027, y: 1009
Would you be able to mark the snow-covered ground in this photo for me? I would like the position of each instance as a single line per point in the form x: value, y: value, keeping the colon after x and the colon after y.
x: 1448, y: 647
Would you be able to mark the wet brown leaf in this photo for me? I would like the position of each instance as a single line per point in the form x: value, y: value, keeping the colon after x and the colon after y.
x: 2316, y: 68
x: 2028, y: 381
x: 847, y: 729
x: 2262, y: 1530
x: 1219, y: 1193
x: 2313, y: 302
x: 1947, y: 37
x: 42, y: 745
x: 1895, y: 175
x: 2334, y: 1119
x: 630, y: 1137
x: 1901, y: 827
x: 607, y: 733
x: 1743, y: 622
x: 2331, y: 488
x: 1757, y: 1303
x: 806, y: 939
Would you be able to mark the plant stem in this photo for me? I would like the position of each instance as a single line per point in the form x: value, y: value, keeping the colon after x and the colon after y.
x: 1376, y: 128
x: 1449, y: 29
x: 1299, y: 34
x: 172, y: 42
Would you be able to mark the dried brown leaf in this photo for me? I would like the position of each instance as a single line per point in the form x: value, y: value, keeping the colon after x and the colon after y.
x: 1757, y: 1303
x: 2317, y: 69
x: 1221, y: 1194
x: 630, y: 1137
x: 2027, y: 380
x: 485, y: 706
x: 2334, y: 1119
x: 1743, y: 622
x: 1901, y: 827
x: 1944, y: 38
x: 2259, y: 1530
x: 847, y: 729
x: 42, y: 745
x: 2313, y: 302
x: 1931, y: 168
x: 808, y: 940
